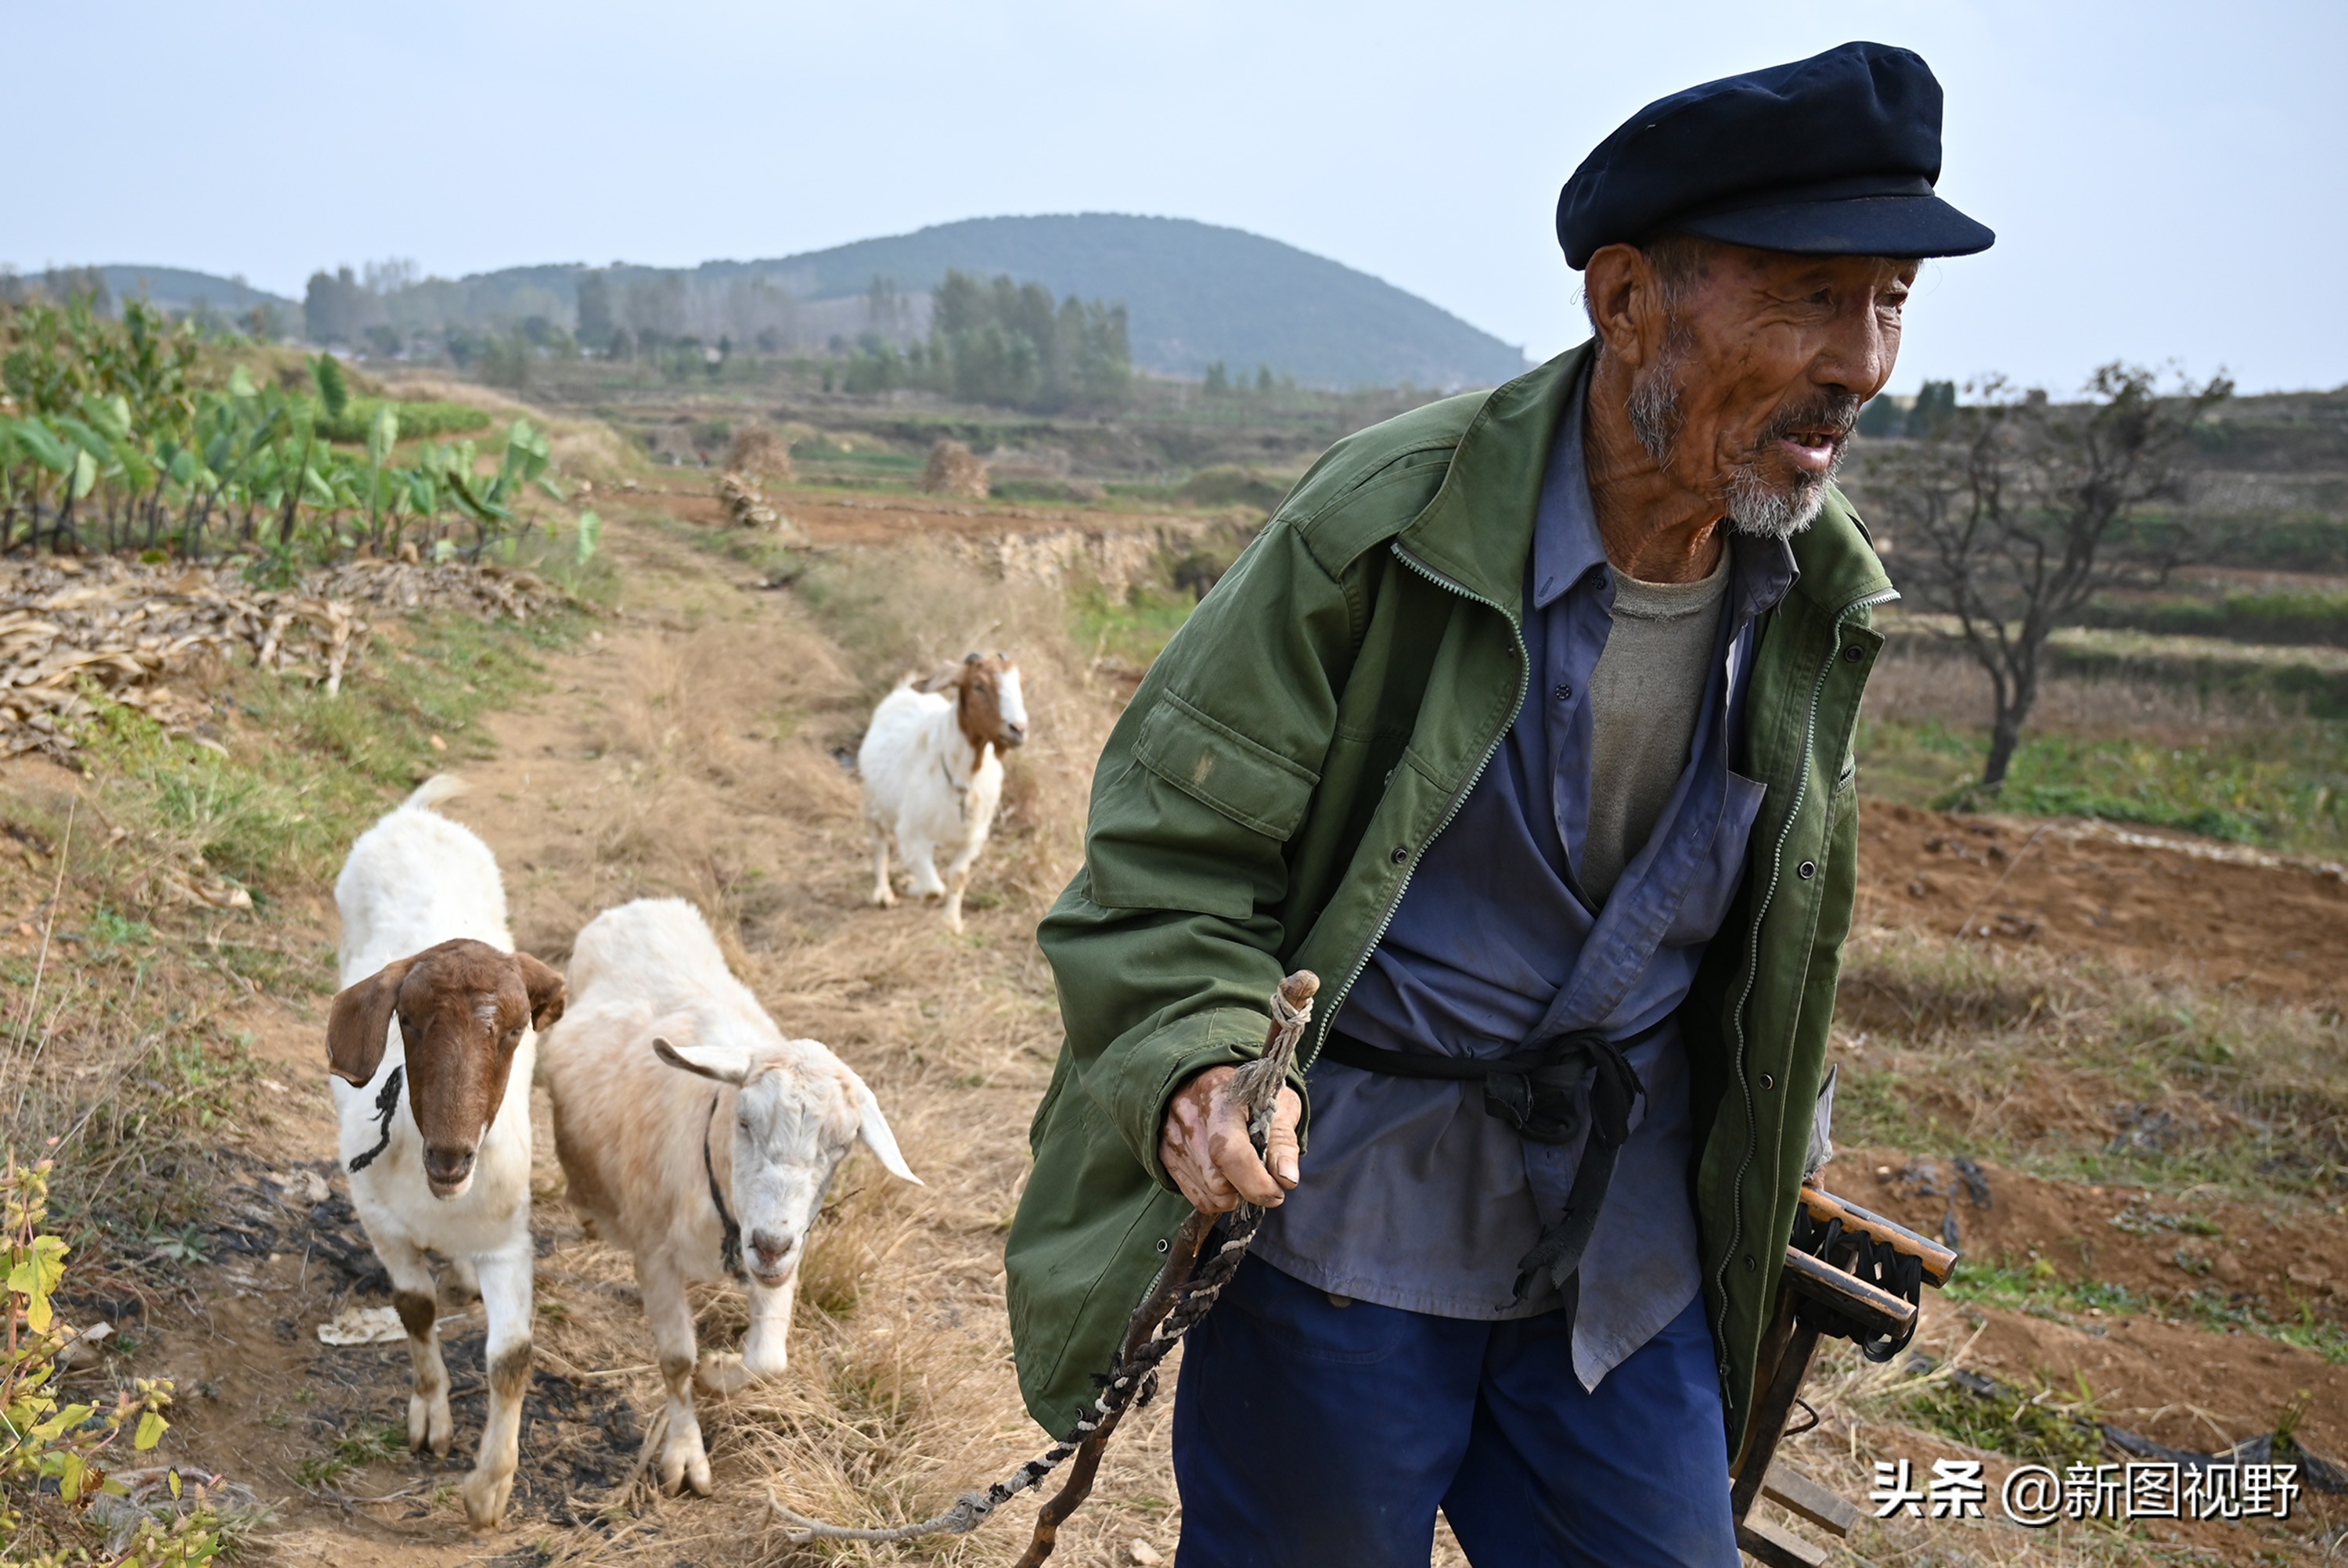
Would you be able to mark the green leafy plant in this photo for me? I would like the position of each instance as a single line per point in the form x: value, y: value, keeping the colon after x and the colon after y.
x: 333, y: 389
x: 54, y: 1454
x: 106, y: 439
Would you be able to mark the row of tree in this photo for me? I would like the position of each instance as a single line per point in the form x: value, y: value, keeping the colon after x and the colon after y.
x: 999, y: 342
x: 1921, y: 418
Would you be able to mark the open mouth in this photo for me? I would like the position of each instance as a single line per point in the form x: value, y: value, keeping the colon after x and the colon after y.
x: 1812, y: 450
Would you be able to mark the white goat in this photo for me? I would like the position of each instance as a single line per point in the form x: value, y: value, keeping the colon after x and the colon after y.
x: 642, y: 1148
x: 932, y: 773
x: 445, y: 1167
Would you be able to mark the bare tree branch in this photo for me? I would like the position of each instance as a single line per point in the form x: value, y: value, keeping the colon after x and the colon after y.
x: 2007, y: 512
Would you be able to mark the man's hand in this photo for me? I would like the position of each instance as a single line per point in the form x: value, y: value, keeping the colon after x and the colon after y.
x: 1205, y: 1145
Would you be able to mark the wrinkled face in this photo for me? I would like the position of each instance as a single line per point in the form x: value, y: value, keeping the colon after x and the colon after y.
x: 992, y: 710
x: 791, y: 1130
x: 462, y: 1007
x: 1756, y: 371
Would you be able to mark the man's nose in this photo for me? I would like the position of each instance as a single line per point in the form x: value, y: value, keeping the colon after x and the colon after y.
x: 1859, y: 354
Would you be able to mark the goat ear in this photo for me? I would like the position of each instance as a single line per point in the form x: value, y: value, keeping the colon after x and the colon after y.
x: 722, y: 1063
x: 874, y: 1129
x: 358, y: 1026
x: 546, y: 989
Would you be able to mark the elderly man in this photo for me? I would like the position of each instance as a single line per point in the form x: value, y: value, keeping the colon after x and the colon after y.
x: 1527, y: 725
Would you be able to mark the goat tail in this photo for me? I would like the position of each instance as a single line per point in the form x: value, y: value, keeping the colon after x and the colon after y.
x: 433, y: 791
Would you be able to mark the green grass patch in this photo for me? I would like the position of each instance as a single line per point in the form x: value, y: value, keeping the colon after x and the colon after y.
x: 421, y: 420
x: 283, y: 806
x: 2284, y: 618
x: 1133, y: 629
x: 2043, y: 1427
x: 2284, y: 786
x: 764, y: 551
x: 370, y: 1444
x: 2037, y: 1289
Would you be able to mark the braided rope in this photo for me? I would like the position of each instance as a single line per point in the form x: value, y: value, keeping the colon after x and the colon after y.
x: 1131, y: 1380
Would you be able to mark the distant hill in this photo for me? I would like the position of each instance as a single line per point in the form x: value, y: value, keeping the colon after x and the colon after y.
x: 177, y: 289
x: 1196, y: 293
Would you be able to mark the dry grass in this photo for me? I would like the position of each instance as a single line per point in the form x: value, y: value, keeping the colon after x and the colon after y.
x: 1918, y: 680
x: 2030, y: 1056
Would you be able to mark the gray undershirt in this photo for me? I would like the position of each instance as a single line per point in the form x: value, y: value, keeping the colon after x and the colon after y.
x: 1644, y: 697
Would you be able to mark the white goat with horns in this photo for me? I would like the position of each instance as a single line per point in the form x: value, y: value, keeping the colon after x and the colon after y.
x: 932, y: 770
x: 699, y: 1183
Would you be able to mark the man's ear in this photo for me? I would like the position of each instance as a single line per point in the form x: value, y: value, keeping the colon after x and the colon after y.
x: 722, y: 1063
x: 358, y: 1026
x: 1621, y: 285
x: 546, y: 989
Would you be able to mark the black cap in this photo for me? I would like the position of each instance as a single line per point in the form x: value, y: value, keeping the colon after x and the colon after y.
x: 1834, y: 155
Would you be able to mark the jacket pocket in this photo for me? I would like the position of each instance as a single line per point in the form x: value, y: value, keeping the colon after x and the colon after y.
x: 1221, y: 768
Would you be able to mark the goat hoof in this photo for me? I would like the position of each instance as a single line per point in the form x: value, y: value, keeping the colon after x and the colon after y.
x: 884, y: 900
x: 428, y: 1426
x: 684, y: 1469
x: 485, y: 1498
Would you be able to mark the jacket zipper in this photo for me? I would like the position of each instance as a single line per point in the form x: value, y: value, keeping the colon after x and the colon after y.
x: 1768, y: 895
x: 1524, y: 684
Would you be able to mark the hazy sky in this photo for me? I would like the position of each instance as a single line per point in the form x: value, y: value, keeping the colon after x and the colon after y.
x: 2165, y: 179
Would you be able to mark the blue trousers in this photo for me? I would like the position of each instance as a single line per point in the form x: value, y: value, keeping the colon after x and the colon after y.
x: 1308, y: 1435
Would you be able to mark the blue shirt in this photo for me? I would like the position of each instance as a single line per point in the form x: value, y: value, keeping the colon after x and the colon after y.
x: 1413, y: 1194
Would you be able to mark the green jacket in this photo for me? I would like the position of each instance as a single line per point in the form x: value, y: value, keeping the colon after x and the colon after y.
x: 1262, y: 802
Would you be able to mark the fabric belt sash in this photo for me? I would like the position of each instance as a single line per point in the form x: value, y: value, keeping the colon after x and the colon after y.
x: 1534, y: 1091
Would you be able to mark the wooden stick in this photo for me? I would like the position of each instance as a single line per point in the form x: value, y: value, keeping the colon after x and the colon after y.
x: 1256, y: 1086
x: 1872, y: 1304
x: 1769, y: 1424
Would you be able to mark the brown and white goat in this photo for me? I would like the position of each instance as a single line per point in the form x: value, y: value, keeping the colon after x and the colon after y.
x: 435, y: 1002
x: 932, y: 770
x: 697, y: 1137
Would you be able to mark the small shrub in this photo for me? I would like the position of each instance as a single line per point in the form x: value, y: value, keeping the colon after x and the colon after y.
x: 54, y: 1457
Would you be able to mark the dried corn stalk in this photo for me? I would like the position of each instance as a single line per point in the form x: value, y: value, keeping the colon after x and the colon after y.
x: 153, y: 638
